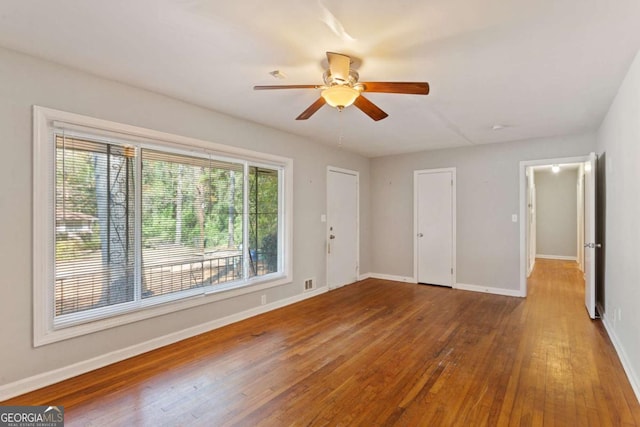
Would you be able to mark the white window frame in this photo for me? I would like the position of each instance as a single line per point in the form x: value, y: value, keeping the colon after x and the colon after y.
x: 45, y: 121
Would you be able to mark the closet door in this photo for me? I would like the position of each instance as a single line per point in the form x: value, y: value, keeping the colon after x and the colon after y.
x: 435, y: 245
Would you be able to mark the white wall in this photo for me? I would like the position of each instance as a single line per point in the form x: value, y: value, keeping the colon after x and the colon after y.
x: 488, y: 246
x: 556, y: 213
x: 25, y: 81
x: 619, y: 138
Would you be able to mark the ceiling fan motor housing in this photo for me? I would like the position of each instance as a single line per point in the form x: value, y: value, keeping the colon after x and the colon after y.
x: 330, y: 80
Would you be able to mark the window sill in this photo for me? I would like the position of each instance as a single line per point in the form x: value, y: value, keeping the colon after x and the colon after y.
x: 73, y: 329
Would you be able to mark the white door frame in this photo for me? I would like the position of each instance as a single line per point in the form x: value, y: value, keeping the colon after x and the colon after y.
x: 453, y: 219
x: 524, y: 164
x: 580, y: 207
x: 327, y: 233
x: 529, y: 219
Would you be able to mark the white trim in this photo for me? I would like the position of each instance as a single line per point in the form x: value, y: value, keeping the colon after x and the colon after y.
x: 357, y: 176
x: 42, y: 238
x: 531, y: 267
x: 364, y: 276
x: 146, y: 313
x: 44, y: 379
x: 245, y: 220
x: 392, y: 277
x: 72, y: 121
x: 454, y: 202
x: 346, y: 284
x: 44, y: 119
x: 560, y: 257
x: 488, y: 290
x: 632, y: 376
x: 522, y: 171
x: 580, y: 205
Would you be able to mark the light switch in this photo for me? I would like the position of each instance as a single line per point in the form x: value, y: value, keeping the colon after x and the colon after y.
x: 514, y: 218
x: 323, y: 218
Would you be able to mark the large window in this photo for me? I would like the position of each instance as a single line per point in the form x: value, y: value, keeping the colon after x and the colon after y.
x: 95, y: 223
x: 192, y: 223
x: 142, y: 226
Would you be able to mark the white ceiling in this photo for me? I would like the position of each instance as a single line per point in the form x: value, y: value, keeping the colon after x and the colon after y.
x: 537, y: 67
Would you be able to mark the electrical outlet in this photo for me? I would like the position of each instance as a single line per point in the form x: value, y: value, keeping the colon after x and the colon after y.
x: 263, y: 299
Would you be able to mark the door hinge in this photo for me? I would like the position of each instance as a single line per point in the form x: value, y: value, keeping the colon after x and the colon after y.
x: 452, y: 271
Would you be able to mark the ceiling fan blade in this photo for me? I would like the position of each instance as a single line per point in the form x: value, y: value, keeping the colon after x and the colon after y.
x: 312, y: 109
x: 369, y: 108
x: 339, y: 66
x: 412, y: 88
x: 287, y: 87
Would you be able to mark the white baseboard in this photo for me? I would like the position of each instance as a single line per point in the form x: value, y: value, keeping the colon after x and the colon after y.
x: 624, y: 359
x: 488, y: 290
x: 364, y: 276
x: 560, y: 257
x: 392, y: 277
x: 35, y: 382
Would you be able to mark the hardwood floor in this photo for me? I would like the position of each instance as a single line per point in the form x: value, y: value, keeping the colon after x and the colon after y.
x: 376, y: 353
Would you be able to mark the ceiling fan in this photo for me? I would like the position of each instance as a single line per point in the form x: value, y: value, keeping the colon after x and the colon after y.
x: 341, y: 89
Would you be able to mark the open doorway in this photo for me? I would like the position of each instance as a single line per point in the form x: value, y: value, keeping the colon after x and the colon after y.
x: 555, y: 213
x: 585, y: 242
x: 589, y: 250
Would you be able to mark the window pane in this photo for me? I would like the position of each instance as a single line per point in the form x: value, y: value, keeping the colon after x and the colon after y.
x: 263, y: 221
x: 191, y: 222
x: 94, y: 214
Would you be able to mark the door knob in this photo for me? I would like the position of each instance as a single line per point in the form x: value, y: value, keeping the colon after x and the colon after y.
x: 420, y: 235
x: 331, y: 236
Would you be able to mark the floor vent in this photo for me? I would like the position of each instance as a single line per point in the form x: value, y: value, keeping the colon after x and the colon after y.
x: 308, y: 284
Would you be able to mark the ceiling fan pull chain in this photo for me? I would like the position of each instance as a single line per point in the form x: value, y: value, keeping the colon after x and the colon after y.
x: 340, y: 128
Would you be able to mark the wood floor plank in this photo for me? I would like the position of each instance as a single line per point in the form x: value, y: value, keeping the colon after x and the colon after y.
x: 376, y: 353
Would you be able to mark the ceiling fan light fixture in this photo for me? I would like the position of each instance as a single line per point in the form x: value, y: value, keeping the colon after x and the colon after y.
x: 340, y: 96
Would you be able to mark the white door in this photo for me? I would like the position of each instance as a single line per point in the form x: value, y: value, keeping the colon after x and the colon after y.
x: 342, y: 227
x: 590, y: 245
x: 435, y: 233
